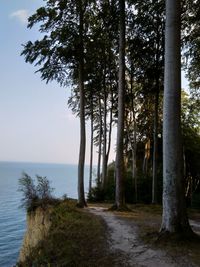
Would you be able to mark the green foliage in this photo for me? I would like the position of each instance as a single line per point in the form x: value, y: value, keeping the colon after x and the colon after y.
x: 110, y: 187
x: 144, y: 187
x: 191, y: 42
x: 98, y: 194
x: 191, y: 143
x: 43, y: 188
x: 35, y: 195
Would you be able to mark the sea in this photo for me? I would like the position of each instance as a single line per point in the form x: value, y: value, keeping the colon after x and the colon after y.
x: 62, y: 177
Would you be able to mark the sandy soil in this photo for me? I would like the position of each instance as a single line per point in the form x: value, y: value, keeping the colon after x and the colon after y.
x: 123, y: 236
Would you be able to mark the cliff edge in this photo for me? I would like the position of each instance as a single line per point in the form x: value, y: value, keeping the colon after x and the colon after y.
x: 38, y: 224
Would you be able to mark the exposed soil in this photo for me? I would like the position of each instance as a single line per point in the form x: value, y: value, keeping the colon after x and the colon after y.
x: 124, y: 236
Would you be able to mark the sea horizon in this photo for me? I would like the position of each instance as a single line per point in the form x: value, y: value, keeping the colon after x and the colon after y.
x: 41, y: 162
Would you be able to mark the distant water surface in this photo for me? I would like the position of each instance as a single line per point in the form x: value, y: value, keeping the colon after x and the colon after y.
x: 12, y: 218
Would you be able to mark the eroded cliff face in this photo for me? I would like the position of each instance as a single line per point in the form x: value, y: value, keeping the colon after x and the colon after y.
x: 38, y: 224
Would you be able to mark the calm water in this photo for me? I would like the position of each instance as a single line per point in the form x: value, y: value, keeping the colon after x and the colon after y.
x: 12, y: 218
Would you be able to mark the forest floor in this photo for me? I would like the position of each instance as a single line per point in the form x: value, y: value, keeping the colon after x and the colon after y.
x: 131, y: 240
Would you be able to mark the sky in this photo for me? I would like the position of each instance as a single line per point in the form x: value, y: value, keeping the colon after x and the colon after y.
x: 36, y: 124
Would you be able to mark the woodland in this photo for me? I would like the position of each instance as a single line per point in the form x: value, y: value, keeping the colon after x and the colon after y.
x: 122, y: 61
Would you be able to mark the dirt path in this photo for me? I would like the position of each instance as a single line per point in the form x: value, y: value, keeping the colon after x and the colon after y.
x: 124, y: 242
x: 195, y: 226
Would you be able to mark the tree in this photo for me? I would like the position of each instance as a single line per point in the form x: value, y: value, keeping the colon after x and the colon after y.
x: 81, y: 163
x: 191, y: 28
x: 119, y: 164
x: 60, y: 53
x: 174, y: 218
x: 100, y: 69
x: 146, y: 60
x: 91, y: 140
x: 191, y: 144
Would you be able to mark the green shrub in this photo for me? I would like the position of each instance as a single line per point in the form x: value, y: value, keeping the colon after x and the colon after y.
x: 144, y: 188
x: 35, y: 195
x: 98, y: 194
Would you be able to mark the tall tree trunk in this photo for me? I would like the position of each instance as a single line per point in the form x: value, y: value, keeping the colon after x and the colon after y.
x: 104, y: 160
x: 134, y: 164
x: 91, y: 145
x: 108, y: 149
x: 100, y: 140
x: 156, y: 107
x: 81, y: 193
x: 155, y: 149
x: 119, y: 165
x: 110, y: 129
x: 134, y: 144
x: 174, y: 218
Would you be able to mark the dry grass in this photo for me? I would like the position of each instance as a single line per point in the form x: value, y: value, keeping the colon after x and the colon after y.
x: 76, y: 238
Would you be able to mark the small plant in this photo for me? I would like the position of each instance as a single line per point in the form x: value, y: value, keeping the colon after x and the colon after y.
x: 43, y: 188
x: 35, y: 195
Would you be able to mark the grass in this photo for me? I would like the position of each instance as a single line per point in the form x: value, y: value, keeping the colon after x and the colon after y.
x: 76, y: 238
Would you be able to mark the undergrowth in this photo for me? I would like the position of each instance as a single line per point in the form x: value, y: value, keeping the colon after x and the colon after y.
x: 76, y: 238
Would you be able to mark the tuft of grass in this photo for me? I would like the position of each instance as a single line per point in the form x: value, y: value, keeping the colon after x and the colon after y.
x: 76, y: 238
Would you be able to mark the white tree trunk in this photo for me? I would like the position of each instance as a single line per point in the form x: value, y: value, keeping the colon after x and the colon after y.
x: 155, y: 151
x: 104, y: 159
x: 91, y: 145
x: 119, y: 168
x: 100, y: 145
x: 174, y: 218
x: 81, y: 164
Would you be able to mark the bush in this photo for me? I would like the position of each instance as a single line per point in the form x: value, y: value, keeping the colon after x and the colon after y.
x: 35, y: 195
x: 144, y: 188
x: 43, y: 188
x: 98, y: 194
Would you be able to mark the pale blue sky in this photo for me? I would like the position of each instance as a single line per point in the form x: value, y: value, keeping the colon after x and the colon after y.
x: 36, y: 124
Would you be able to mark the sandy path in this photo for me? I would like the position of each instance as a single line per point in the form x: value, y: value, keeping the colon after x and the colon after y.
x: 195, y: 226
x: 124, y: 242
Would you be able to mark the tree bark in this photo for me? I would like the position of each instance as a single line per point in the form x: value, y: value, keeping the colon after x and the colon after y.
x: 91, y: 145
x: 155, y: 150
x: 104, y: 160
x: 134, y: 144
x: 134, y: 164
x: 119, y: 194
x: 110, y: 129
x: 100, y: 140
x: 174, y: 218
x: 81, y: 193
